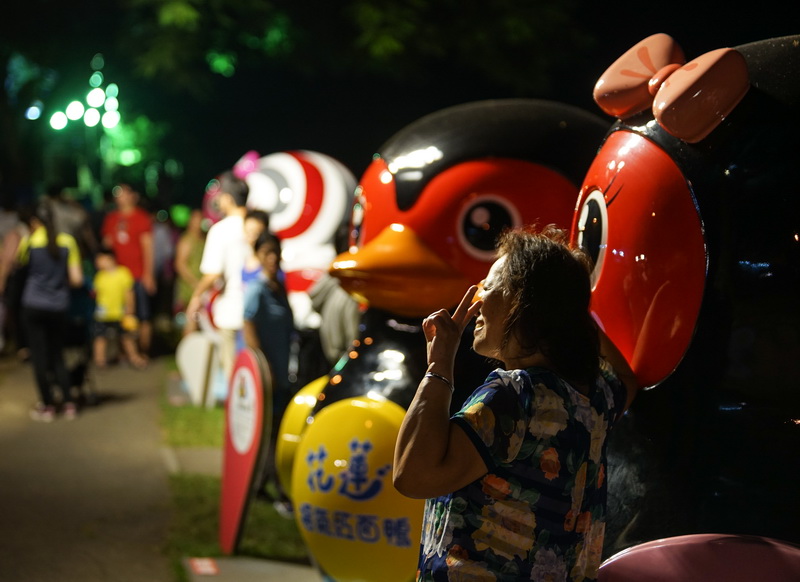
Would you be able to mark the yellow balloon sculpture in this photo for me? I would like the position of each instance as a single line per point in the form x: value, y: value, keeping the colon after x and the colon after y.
x: 350, y: 515
x: 293, y: 424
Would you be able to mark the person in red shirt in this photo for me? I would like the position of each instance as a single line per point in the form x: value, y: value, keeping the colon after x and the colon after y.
x: 128, y: 230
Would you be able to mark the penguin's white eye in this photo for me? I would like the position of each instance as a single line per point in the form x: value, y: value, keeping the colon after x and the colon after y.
x: 481, y: 222
x: 593, y: 231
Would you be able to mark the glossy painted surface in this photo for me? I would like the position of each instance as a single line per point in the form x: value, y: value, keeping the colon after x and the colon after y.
x: 423, y: 225
x: 411, y: 262
x: 688, y: 100
x: 697, y: 97
x: 293, y: 423
x: 248, y: 424
x: 354, y: 522
x: 308, y: 196
x: 732, y: 558
x: 645, y: 236
x: 624, y: 88
x: 429, y: 207
x: 713, y: 446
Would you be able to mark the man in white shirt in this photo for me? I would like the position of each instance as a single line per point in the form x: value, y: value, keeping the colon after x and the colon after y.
x: 221, y: 268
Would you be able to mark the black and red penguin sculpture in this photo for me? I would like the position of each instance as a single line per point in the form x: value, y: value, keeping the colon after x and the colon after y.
x: 426, y: 215
x: 691, y: 212
x: 429, y: 208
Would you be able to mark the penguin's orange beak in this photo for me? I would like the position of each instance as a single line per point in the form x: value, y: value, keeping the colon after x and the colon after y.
x: 397, y: 272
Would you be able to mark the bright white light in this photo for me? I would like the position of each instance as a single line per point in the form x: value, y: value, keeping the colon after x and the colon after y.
x: 285, y: 195
x: 110, y: 119
x: 410, y: 175
x: 387, y: 375
x: 112, y: 104
x: 96, y: 97
x: 305, y: 400
x: 91, y: 117
x: 34, y: 111
x: 75, y: 110
x: 58, y: 120
x: 416, y: 159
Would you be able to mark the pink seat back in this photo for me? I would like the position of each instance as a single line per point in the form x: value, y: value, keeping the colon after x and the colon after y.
x: 705, y: 558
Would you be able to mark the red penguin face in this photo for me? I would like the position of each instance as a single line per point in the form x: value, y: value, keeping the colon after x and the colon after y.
x: 414, y: 261
x: 637, y: 218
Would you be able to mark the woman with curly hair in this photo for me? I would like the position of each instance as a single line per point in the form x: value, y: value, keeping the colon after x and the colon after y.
x: 516, y: 480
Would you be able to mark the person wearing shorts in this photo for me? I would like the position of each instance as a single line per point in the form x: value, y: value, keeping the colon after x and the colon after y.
x: 114, y: 316
x: 128, y: 231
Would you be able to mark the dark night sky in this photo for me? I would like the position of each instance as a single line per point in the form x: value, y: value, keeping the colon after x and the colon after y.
x: 349, y: 118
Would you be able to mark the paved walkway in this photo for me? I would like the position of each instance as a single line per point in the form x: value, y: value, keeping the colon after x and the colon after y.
x: 84, y: 500
x: 88, y: 500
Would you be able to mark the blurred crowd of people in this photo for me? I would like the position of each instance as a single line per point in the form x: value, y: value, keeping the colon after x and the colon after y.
x: 99, y: 281
x: 113, y: 284
x: 141, y: 283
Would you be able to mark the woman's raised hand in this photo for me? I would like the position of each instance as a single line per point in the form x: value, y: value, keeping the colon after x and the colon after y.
x: 443, y: 331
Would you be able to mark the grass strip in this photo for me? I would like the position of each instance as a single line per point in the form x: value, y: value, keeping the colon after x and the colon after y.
x: 194, y: 528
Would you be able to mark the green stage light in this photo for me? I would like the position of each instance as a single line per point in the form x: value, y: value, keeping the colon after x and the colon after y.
x: 180, y: 215
x: 34, y: 111
x: 75, y: 110
x: 96, y: 79
x: 96, y: 97
x: 112, y: 104
x: 110, y: 119
x: 91, y: 117
x: 112, y: 90
x: 58, y: 120
x: 97, y: 62
x: 129, y: 157
x: 222, y: 63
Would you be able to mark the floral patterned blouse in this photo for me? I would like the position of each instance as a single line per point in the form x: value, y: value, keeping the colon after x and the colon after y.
x: 539, y: 513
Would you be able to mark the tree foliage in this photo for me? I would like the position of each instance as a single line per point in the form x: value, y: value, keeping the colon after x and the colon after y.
x: 514, y: 44
x: 194, y: 47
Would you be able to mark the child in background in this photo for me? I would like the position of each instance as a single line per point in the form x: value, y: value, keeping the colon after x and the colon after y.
x: 114, y: 311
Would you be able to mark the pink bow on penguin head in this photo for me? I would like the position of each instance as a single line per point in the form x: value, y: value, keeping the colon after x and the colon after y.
x: 688, y: 100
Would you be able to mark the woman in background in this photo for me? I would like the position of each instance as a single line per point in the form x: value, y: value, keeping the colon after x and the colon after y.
x: 53, y: 265
x: 188, y: 253
x: 269, y: 327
